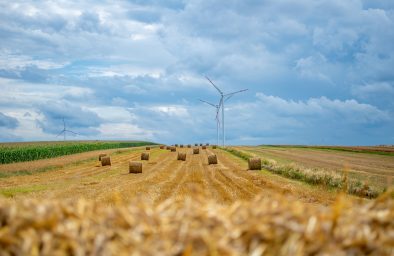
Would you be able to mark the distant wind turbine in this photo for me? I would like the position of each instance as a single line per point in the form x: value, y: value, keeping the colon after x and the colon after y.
x: 217, y: 107
x: 64, y: 131
x: 223, y: 98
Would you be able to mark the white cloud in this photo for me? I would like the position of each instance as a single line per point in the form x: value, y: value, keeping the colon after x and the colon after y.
x: 173, y: 111
x: 124, y: 131
x: 112, y: 114
x: 313, y: 67
x: 374, y: 89
x: 17, y: 92
x: 139, y: 65
x: 10, y: 61
x: 322, y: 107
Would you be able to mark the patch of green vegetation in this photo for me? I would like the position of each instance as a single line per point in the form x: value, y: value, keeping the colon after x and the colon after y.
x: 262, y: 153
x: 16, y: 173
x: 30, y: 152
x: 11, y: 192
x: 26, y: 172
x: 315, y: 176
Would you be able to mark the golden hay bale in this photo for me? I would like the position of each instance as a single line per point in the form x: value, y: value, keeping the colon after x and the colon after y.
x: 212, y: 159
x: 189, y: 146
x: 214, y: 146
x: 105, y: 160
x: 161, y: 147
x: 181, y: 145
x: 101, y: 155
x: 196, y: 151
x: 147, y: 148
x: 145, y: 156
x: 168, y: 148
x: 254, y: 163
x: 173, y: 149
x: 181, y: 156
x: 204, y: 147
x: 135, y: 167
x: 273, y: 225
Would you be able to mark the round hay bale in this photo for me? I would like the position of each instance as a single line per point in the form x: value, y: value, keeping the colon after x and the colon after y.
x: 214, y: 146
x: 101, y: 155
x: 135, y: 167
x: 173, y: 149
x: 147, y: 148
x: 181, y: 156
x: 168, y: 148
x: 189, y: 146
x: 181, y: 145
x: 254, y: 163
x: 161, y: 147
x: 196, y: 151
x: 204, y: 147
x: 105, y: 160
x: 145, y: 156
x: 212, y: 159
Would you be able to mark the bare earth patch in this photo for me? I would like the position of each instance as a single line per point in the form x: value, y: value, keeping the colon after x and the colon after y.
x: 379, y: 169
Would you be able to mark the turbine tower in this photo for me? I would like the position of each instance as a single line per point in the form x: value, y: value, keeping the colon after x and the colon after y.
x: 217, y: 107
x: 64, y: 131
x: 223, y: 98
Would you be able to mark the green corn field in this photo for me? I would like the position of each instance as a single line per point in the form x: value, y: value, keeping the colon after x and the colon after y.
x: 27, y: 152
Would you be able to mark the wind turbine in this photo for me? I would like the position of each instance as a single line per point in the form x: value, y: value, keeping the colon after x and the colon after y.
x: 65, y: 130
x: 223, y: 98
x: 217, y: 119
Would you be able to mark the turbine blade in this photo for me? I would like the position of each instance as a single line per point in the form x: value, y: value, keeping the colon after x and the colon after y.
x: 217, y: 88
x: 232, y: 93
x: 60, y: 133
x: 207, y: 103
x: 72, y: 132
x: 228, y: 97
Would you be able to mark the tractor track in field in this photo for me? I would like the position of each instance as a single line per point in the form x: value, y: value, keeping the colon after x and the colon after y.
x: 122, y: 181
x: 221, y: 193
x: 163, y: 177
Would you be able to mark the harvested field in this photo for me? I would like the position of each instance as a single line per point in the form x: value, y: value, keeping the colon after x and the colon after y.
x: 54, y: 163
x: 163, y: 177
x: 376, y: 169
x: 184, y: 208
x: 197, y: 226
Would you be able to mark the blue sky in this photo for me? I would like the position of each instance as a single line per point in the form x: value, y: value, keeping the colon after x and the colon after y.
x: 318, y: 72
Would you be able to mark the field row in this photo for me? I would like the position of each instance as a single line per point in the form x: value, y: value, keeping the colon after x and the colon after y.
x: 30, y: 152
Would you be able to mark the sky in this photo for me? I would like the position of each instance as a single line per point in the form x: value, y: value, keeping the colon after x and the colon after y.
x: 317, y: 72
